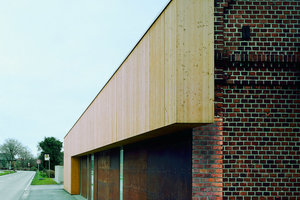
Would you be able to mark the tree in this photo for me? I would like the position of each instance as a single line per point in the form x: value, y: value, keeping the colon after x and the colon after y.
x: 3, y: 161
x: 25, y: 157
x: 51, y: 146
x: 10, y: 149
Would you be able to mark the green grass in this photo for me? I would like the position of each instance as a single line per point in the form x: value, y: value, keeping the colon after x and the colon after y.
x: 41, y: 178
x: 6, y: 172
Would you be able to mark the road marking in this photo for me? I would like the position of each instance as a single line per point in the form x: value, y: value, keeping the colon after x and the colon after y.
x: 27, y: 190
x: 25, y: 195
x: 30, y: 180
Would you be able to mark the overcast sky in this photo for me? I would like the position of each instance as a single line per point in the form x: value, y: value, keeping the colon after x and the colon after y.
x: 55, y: 56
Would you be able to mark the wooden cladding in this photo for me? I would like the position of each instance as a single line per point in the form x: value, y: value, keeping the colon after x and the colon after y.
x: 167, y: 79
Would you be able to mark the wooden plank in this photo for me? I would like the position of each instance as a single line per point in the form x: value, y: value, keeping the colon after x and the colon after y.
x: 75, y: 175
x: 142, y: 86
x: 170, y: 64
x: 194, y: 45
x: 156, y: 74
x: 120, y: 102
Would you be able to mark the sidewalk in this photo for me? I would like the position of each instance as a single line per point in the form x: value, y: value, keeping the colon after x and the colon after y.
x: 48, y: 192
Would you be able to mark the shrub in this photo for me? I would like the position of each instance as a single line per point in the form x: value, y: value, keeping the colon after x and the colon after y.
x: 43, y: 174
x: 33, y: 168
x: 52, y: 173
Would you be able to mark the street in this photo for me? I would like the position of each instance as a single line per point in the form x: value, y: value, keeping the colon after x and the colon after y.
x: 12, y: 186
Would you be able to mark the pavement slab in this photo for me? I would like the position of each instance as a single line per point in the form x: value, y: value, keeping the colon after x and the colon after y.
x: 46, y: 192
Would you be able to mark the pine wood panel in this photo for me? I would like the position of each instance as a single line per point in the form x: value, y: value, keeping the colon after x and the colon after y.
x: 75, y: 178
x: 156, y: 74
x: 194, y: 42
x: 170, y: 64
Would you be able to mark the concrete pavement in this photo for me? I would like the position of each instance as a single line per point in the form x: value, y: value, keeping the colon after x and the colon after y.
x: 12, y: 186
x: 48, y: 192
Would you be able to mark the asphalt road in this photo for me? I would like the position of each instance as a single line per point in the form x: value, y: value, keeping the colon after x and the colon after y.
x: 12, y: 186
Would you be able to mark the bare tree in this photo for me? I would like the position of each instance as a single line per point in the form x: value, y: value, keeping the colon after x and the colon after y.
x: 25, y: 157
x: 11, y: 148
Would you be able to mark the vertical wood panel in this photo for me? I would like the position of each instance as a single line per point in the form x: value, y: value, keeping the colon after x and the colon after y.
x: 113, y: 110
x: 133, y: 77
x: 120, y: 102
x: 194, y: 45
x: 210, y: 61
x: 157, y: 74
x: 170, y: 64
x: 67, y: 165
x: 141, y: 86
x: 106, y: 114
x: 133, y: 94
x: 75, y: 176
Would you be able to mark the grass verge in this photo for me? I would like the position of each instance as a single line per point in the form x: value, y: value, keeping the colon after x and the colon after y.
x: 7, y: 172
x: 41, y: 178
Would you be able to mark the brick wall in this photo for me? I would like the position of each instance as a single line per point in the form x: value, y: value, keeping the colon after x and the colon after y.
x: 207, y: 161
x: 274, y: 27
x: 258, y: 97
x: 261, y: 131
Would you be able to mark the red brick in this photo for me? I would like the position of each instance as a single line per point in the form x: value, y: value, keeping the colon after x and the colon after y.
x: 255, y: 102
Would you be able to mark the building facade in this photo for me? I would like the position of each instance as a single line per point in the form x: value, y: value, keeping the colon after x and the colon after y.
x: 134, y: 141
x: 220, y: 115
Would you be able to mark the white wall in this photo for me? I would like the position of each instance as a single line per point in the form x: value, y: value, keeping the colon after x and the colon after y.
x: 59, y: 174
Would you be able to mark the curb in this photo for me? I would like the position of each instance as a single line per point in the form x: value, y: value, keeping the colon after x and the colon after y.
x: 27, y: 189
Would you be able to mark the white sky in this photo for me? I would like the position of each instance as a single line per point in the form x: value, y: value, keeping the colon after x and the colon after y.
x: 56, y: 55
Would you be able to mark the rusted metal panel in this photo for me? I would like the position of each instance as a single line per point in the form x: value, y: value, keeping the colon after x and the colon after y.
x: 108, y: 173
x: 83, y: 176
x: 95, y: 176
x: 159, y: 169
x: 88, y: 177
x: 135, y: 173
x: 169, y: 168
